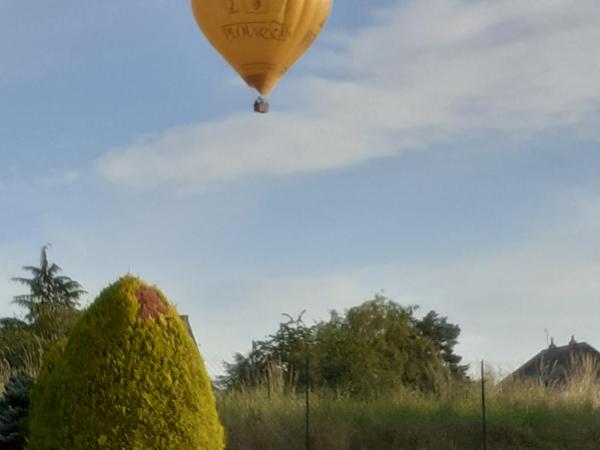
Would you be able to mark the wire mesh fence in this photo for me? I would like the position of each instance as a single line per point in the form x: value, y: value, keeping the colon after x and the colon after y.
x: 510, y: 416
x: 272, y: 417
x: 521, y: 416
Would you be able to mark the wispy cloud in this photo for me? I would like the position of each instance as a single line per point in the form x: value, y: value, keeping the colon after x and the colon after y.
x: 57, y: 178
x: 503, y: 300
x: 423, y: 73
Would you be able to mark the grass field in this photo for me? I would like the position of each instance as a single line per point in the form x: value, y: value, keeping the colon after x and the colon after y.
x: 520, y: 416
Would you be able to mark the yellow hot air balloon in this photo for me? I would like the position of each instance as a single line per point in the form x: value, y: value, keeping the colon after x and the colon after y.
x: 261, y: 39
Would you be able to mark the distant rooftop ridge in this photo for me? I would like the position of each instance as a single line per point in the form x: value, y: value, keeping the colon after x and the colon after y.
x: 554, y: 363
x: 186, y: 321
x: 572, y: 342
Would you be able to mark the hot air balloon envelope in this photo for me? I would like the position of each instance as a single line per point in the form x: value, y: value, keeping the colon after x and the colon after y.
x: 261, y: 39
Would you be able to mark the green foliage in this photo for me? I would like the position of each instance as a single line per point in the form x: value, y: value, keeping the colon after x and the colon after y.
x: 49, y: 293
x: 374, y: 347
x: 51, y: 312
x: 21, y: 350
x: 14, y: 406
x: 279, y: 360
x: 444, y: 336
x: 46, y: 397
x: 129, y: 376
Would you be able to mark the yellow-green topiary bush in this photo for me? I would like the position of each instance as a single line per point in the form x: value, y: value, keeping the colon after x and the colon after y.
x: 129, y: 377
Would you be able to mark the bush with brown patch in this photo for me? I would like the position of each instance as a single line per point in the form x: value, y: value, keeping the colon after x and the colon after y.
x: 130, y: 376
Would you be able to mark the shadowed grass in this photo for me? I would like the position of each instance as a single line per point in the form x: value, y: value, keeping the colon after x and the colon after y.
x: 30, y: 362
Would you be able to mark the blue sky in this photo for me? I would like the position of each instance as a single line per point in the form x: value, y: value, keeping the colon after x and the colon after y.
x: 443, y: 151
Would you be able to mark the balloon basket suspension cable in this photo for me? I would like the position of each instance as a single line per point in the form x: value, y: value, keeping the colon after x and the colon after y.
x: 261, y: 105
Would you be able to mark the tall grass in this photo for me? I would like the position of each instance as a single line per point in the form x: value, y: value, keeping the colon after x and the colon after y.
x: 521, y: 415
x: 29, y: 361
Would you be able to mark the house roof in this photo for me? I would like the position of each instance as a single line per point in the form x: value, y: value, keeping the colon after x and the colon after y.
x: 554, y: 364
x: 186, y: 321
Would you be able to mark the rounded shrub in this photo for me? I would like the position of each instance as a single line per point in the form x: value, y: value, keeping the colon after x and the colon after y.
x: 128, y: 377
x: 13, y: 412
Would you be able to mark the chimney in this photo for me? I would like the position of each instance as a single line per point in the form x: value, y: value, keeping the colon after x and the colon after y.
x: 572, y: 341
x: 552, y: 345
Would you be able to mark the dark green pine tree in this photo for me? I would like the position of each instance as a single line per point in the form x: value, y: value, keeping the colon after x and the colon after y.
x: 47, y: 288
x: 445, y: 337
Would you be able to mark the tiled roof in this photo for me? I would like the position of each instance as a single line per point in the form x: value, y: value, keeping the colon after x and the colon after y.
x: 553, y: 365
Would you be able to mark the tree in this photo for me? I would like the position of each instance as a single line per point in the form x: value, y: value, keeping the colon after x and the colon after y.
x: 51, y: 306
x: 444, y: 335
x: 47, y: 287
x: 142, y: 385
x: 13, y: 323
x: 52, y: 300
x: 276, y: 360
x: 374, y: 347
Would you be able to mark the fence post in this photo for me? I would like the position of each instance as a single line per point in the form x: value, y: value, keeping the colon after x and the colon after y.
x: 483, y: 417
x: 307, y: 402
x: 299, y: 325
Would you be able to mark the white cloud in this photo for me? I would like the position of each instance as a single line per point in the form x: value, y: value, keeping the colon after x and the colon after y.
x: 251, y: 311
x: 240, y: 145
x: 57, y: 178
x: 426, y: 70
x: 503, y: 300
x: 550, y: 281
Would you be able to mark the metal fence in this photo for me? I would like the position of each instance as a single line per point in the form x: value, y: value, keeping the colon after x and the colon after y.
x: 270, y: 418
